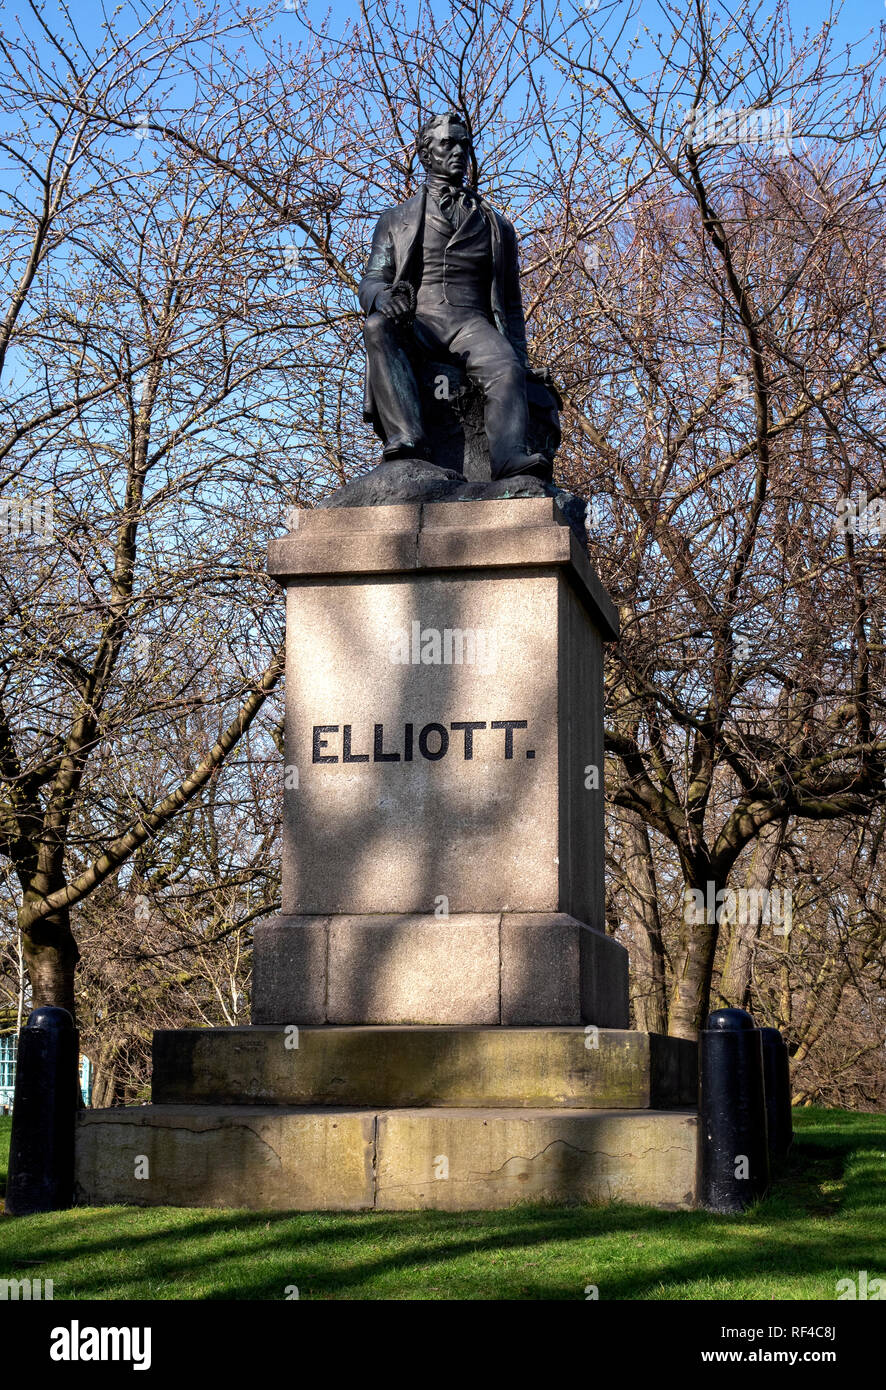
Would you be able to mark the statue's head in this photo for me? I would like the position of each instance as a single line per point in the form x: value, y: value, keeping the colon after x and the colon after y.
x: 444, y: 146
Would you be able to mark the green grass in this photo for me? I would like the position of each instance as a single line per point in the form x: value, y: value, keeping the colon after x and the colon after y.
x: 825, y: 1220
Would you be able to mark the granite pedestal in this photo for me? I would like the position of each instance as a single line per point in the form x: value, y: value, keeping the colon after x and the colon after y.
x: 443, y: 813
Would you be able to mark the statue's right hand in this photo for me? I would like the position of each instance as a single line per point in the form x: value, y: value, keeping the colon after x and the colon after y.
x: 393, y: 303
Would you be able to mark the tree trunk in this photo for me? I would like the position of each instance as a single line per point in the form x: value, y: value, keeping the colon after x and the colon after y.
x: 694, y: 963
x: 822, y: 1006
x: 51, y: 957
x: 105, y: 1080
x: 735, y: 982
x: 648, y: 988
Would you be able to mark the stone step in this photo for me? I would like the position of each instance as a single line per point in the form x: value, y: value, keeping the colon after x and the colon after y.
x: 326, y: 1158
x: 389, y: 1067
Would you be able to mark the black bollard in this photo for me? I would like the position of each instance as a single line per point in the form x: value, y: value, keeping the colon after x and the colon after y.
x: 41, y: 1151
x: 734, y: 1152
x: 777, y: 1085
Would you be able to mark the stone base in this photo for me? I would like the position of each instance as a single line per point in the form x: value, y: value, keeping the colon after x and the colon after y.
x: 468, y: 968
x: 394, y: 1160
x: 408, y: 481
x: 519, y: 1068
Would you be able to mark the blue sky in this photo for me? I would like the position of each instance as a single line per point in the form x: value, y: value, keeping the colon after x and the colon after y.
x: 857, y: 17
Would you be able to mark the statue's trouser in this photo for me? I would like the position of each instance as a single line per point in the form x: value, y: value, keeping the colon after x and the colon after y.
x: 469, y: 339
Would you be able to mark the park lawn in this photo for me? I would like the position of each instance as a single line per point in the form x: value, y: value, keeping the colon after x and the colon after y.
x: 825, y: 1220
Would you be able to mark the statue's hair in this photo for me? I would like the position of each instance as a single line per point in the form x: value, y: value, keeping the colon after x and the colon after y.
x: 428, y: 124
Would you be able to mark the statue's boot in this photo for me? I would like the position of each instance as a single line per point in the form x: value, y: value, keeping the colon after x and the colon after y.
x: 405, y: 449
x: 527, y: 465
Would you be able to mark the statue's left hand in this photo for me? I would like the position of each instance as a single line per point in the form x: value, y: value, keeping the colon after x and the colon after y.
x: 394, y: 303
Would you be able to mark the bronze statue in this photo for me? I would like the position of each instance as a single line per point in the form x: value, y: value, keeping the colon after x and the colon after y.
x: 442, y: 285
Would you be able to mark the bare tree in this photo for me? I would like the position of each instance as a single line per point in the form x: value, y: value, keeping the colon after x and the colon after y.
x: 700, y: 211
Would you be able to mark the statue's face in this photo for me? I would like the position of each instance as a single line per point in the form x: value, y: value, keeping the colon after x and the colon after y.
x: 446, y: 151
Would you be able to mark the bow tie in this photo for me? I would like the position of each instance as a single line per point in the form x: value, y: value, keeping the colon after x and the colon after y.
x: 457, y: 203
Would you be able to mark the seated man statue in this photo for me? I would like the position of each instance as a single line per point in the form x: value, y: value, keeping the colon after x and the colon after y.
x: 442, y: 284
